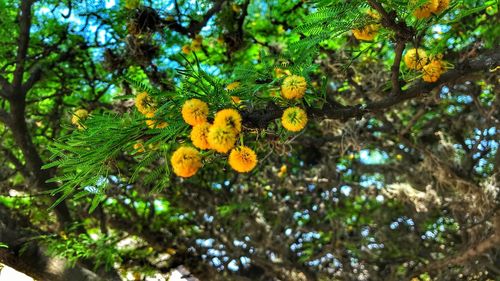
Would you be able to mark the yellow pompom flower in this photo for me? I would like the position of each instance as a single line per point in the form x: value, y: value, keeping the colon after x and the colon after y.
x: 221, y: 138
x: 228, y: 117
x: 283, y: 170
x: 186, y: 161
x: 194, y: 112
x: 281, y: 72
x: 293, y: 87
x: 427, y: 9
x: 196, y: 43
x: 79, y: 116
x: 186, y: 49
x: 433, y: 71
x: 294, y: 119
x: 236, y: 99
x: 242, y: 159
x: 153, y: 123
x: 145, y: 103
x: 233, y: 86
x: 415, y: 59
x: 139, y: 147
x: 443, y: 5
x: 366, y: 33
x: 199, y: 136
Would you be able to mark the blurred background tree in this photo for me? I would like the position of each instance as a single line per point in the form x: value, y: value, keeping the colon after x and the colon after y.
x: 395, y: 176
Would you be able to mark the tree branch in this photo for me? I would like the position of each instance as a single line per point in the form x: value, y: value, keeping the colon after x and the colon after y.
x: 23, y: 42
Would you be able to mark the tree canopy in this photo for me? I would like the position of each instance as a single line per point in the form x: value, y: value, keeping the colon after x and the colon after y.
x: 250, y: 140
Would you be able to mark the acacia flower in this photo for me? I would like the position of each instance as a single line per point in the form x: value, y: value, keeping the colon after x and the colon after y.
x: 221, y: 138
x: 186, y: 161
x: 242, y: 159
x: 366, y: 33
x: 78, y: 116
x: 199, y: 136
x: 426, y: 9
x: 194, y: 112
x: 228, y: 117
x: 233, y: 86
x: 415, y: 59
x: 294, y: 119
x: 139, y: 147
x: 145, y: 103
x: 154, y: 123
x: 186, y: 49
x: 432, y: 71
x: 293, y: 87
x: 443, y: 4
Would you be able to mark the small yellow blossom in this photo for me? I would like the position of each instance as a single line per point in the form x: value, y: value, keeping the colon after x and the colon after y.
x: 194, y: 112
x: 242, y: 159
x: 139, y: 147
x: 415, y: 58
x: 186, y: 161
x: 199, y: 136
x: 283, y: 170
x: 443, y: 5
x: 432, y: 71
x: 145, y: 103
x: 228, y: 117
x: 366, y: 33
x: 293, y: 87
x: 186, y: 49
x: 154, y: 123
x: 426, y: 9
x: 221, y: 138
x: 79, y: 116
x: 281, y: 72
x: 233, y: 86
x: 294, y: 119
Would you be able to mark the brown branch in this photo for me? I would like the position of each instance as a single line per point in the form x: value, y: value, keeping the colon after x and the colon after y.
x: 23, y: 42
x: 331, y: 110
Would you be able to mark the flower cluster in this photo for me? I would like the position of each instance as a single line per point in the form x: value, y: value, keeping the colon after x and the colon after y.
x: 431, y: 68
x: 221, y: 136
x: 294, y: 118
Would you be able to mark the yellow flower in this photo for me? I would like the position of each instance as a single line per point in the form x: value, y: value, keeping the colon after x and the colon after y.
x: 242, y: 159
x: 427, y: 9
x: 228, y: 117
x: 154, y: 123
x: 282, y: 171
x: 233, y: 86
x: 415, y: 59
x: 236, y: 99
x: 194, y: 112
x: 443, y: 5
x: 294, y: 119
x: 196, y: 43
x: 199, y: 136
x: 79, y: 116
x: 293, y: 87
x: 236, y: 8
x: 145, y: 103
x: 139, y: 147
x: 281, y: 72
x: 221, y: 138
x: 366, y: 33
x: 186, y: 161
x: 186, y: 49
x: 433, y: 71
